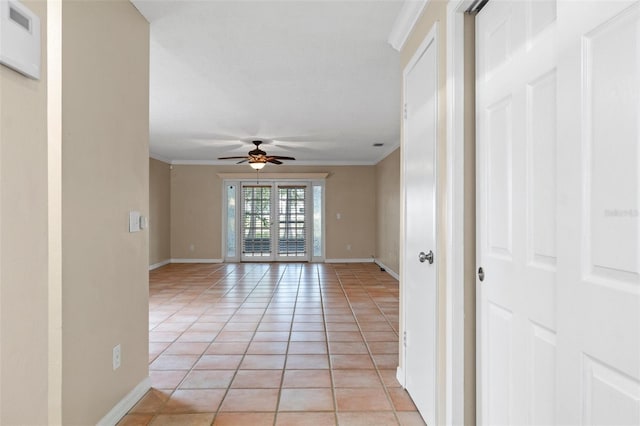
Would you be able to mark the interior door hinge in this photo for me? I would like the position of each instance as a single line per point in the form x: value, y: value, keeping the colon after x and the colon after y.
x: 404, y: 339
x: 405, y: 111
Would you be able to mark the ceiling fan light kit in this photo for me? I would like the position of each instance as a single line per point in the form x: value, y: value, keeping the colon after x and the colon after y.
x: 257, y: 158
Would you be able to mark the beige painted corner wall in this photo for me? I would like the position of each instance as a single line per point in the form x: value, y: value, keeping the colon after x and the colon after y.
x: 436, y: 12
x: 105, y: 174
x: 196, y: 212
x: 196, y: 209
x: 23, y: 243
x: 388, y: 211
x: 159, y: 211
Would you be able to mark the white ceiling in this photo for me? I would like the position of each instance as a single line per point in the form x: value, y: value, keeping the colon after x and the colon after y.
x: 316, y: 79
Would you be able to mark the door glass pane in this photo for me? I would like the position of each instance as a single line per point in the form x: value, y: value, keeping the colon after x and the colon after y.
x: 291, y: 221
x: 256, y: 217
x: 231, y: 221
x: 317, y: 221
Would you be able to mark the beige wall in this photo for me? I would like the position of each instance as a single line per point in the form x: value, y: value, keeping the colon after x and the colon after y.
x: 196, y: 209
x: 388, y: 211
x: 196, y: 213
x: 470, y: 225
x: 105, y: 174
x: 23, y: 243
x: 436, y: 11
x: 159, y: 211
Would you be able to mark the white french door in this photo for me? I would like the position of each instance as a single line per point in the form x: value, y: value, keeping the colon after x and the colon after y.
x: 256, y: 230
x: 276, y: 222
x: 558, y: 225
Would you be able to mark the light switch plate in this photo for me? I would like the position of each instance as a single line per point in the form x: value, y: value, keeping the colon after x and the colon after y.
x: 20, y: 38
x: 134, y: 221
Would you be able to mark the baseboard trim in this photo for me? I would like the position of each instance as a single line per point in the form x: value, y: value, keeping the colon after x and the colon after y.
x: 159, y: 264
x: 121, y: 408
x: 400, y: 376
x: 367, y: 260
x: 196, y: 260
x: 387, y: 270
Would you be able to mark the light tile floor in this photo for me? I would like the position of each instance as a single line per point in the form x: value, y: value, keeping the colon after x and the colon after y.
x: 273, y: 344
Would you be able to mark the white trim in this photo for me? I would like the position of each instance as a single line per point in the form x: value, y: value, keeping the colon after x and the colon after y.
x: 196, y: 261
x: 54, y: 211
x: 405, y: 21
x: 273, y: 176
x: 387, y: 269
x: 400, y: 377
x: 366, y: 260
x: 121, y: 408
x: 159, y: 264
x: 455, y: 263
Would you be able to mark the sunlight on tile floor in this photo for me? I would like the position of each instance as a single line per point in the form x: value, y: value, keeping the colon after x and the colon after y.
x: 273, y: 344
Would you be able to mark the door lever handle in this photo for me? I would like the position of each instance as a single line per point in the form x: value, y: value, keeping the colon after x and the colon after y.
x: 426, y: 256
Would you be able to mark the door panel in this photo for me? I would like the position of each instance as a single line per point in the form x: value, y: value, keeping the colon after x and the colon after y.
x: 293, y: 238
x: 558, y: 143
x: 598, y: 222
x: 257, y: 223
x: 516, y: 143
x: 419, y: 181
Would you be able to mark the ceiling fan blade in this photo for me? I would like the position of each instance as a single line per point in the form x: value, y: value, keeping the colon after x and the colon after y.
x: 273, y: 160
x: 242, y: 161
x: 232, y: 158
x: 278, y: 157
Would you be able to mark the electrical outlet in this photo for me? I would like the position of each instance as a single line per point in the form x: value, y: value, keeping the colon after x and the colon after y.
x: 117, y: 357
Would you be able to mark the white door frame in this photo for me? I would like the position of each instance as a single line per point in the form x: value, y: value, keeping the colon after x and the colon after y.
x: 455, y: 237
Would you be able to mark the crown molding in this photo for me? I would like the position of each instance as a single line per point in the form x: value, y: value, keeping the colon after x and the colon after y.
x: 405, y: 21
x: 268, y: 176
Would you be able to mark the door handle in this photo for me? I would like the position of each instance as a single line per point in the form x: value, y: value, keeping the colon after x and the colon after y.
x: 426, y: 256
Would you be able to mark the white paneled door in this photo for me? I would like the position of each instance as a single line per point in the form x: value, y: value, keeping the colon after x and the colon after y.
x: 558, y: 223
x: 419, y: 273
x: 599, y: 213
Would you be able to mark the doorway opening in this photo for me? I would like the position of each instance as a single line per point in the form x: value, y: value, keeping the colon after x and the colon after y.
x: 273, y: 221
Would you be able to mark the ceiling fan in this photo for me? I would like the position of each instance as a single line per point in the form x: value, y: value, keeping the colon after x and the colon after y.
x: 257, y: 158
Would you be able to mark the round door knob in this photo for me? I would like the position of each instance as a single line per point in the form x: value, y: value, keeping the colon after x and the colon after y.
x: 426, y: 256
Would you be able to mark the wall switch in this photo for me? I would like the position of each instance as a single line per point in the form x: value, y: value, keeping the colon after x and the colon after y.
x: 20, y: 35
x: 117, y: 357
x: 134, y: 221
x: 144, y: 222
x: 338, y: 216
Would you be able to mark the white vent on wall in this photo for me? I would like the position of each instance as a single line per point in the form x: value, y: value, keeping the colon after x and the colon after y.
x: 19, y: 38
